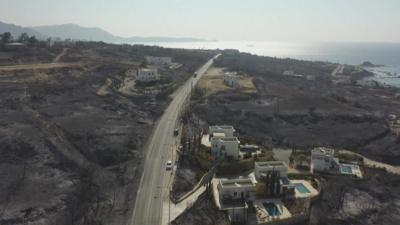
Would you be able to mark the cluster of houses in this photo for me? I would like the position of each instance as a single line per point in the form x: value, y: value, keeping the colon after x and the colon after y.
x: 266, y: 195
x: 262, y: 197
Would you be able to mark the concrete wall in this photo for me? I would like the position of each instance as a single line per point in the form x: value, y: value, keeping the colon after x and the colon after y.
x: 258, y: 169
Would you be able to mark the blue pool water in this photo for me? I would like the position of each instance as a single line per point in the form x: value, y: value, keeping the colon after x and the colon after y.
x: 346, y: 169
x: 301, y: 188
x: 271, y: 208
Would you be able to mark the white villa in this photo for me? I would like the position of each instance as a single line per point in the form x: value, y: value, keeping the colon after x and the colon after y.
x: 322, y: 159
x: 270, y: 166
x: 156, y: 60
x: 233, y: 195
x: 231, y: 79
x: 229, y: 131
x: 242, y: 188
x: 225, y: 147
x: 148, y: 74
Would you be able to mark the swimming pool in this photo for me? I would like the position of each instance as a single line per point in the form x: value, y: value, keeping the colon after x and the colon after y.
x: 346, y: 169
x: 301, y: 188
x: 271, y: 208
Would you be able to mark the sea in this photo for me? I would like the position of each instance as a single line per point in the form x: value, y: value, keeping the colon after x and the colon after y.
x: 385, y: 54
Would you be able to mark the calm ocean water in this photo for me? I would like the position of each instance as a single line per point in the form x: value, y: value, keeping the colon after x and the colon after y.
x: 387, y: 54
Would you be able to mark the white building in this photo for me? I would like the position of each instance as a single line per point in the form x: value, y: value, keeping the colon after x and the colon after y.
x: 232, y: 189
x: 231, y: 79
x: 322, y: 159
x: 225, y: 147
x: 227, y: 130
x: 148, y: 74
x: 288, y: 73
x: 156, y: 60
x: 270, y: 166
x: 233, y: 195
x: 291, y: 73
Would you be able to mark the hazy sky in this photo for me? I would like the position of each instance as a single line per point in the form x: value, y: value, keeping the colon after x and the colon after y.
x: 251, y: 20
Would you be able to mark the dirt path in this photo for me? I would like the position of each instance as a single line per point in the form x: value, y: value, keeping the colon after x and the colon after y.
x: 104, y: 90
x: 337, y: 70
x: 389, y: 168
x: 58, y: 57
x: 39, y: 66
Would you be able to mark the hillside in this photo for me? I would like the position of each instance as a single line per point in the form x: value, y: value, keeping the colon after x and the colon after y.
x: 16, y: 30
x: 75, y: 31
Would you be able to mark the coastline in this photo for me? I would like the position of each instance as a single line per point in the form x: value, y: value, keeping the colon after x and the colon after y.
x: 384, y: 55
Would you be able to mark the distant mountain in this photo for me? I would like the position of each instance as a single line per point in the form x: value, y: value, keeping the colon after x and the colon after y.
x: 77, y: 32
x: 16, y: 31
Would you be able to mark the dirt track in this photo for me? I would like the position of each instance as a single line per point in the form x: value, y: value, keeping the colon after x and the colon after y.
x: 40, y: 66
x: 58, y: 57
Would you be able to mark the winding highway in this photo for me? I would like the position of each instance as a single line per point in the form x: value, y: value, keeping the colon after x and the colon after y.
x: 161, y: 147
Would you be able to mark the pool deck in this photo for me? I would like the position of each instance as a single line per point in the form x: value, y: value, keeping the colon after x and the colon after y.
x: 262, y: 213
x: 355, y: 170
x: 307, y: 184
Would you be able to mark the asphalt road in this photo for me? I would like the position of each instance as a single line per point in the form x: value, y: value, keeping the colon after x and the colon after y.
x: 155, y: 179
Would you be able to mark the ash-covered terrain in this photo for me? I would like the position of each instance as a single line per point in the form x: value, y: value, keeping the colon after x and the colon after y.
x: 73, y: 129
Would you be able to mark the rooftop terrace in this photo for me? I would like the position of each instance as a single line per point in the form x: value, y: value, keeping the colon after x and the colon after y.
x: 270, y: 163
x: 245, y: 182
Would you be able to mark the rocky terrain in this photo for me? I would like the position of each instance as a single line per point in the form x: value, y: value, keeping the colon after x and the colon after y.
x: 373, y: 200
x: 69, y: 153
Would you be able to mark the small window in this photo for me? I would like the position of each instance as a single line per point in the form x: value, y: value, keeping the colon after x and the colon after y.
x: 235, y: 194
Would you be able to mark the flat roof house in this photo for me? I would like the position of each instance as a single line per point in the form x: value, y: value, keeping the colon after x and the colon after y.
x: 229, y: 131
x: 158, y: 60
x: 234, y: 195
x: 322, y: 159
x: 148, y: 74
x: 269, y: 166
x: 231, y: 79
x: 231, y: 189
x: 225, y: 147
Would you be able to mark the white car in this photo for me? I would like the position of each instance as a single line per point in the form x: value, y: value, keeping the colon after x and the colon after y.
x: 169, y: 165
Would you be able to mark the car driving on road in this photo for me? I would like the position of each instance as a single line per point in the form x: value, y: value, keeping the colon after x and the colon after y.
x: 169, y: 165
